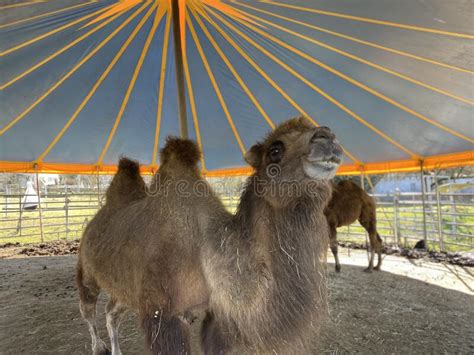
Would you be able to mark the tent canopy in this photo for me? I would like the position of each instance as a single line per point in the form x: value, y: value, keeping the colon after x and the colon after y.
x: 84, y: 82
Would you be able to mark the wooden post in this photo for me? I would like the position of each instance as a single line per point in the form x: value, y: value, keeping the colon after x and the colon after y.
x: 178, y: 60
x: 423, y: 202
x: 38, y: 192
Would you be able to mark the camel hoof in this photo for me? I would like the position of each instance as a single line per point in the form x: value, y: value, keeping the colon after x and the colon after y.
x: 338, y: 268
x: 368, y: 270
x: 377, y: 268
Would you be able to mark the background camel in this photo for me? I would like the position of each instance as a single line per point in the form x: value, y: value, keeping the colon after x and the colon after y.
x: 258, y: 273
x: 348, y: 204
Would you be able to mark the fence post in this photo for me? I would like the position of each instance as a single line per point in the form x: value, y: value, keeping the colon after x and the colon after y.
x: 66, y: 206
x: 396, y: 227
x: 7, y: 192
x: 440, y: 218
x: 98, y: 189
x: 19, y: 228
x: 423, y: 202
x: 362, y: 185
x: 38, y: 191
x: 453, y: 211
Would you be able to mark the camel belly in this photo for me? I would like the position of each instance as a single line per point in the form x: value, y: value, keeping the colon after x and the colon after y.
x: 190, y: 290
x: 348, y: 216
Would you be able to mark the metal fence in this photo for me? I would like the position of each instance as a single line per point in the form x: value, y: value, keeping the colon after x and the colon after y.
x: 444, y: 220
x: 61, y: 215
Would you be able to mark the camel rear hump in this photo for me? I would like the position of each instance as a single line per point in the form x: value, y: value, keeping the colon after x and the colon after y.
x: 127, y: 185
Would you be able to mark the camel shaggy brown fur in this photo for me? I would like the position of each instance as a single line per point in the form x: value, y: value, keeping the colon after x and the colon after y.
x: 348, y: 204
x: 258, y: 273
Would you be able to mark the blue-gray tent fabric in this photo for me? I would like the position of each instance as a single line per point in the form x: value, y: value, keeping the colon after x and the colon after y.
x: 85, y: 139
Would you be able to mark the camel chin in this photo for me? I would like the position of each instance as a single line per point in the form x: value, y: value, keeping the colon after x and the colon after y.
x: 320, y: 170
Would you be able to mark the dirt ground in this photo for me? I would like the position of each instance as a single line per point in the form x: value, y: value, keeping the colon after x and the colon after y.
x: 411, y: 307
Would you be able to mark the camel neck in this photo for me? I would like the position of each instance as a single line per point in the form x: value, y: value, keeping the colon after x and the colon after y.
x: 269, y: 259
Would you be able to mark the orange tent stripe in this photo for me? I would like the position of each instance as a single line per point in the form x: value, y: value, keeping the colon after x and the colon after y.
x: 433, y: 162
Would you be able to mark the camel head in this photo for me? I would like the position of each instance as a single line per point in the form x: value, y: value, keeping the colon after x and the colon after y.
x: 294, y: 156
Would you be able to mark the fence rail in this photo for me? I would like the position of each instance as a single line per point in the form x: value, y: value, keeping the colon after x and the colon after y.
x: 402, y: 219
x: 59, y: 215
x: 447, y: 218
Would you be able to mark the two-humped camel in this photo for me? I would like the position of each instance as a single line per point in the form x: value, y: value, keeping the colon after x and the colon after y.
x: 259, y: 274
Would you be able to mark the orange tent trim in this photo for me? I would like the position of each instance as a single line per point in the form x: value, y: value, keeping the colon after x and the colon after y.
x: 400, y: 166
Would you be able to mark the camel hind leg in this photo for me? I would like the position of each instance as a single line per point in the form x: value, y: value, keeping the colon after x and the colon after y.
x: 333, y: 245
x: 88, y: 294
x: 369, y: 223
x: 379, y: 252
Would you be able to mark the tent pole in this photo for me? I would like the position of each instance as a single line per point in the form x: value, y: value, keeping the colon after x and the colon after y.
x: 423, y: 201
x: 178, y: 61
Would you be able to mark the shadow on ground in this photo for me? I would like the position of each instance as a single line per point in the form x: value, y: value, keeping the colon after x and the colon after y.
x: 370, y: 313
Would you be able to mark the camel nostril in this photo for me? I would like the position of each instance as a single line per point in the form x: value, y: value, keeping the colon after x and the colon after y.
x: 323, y: 133
x: 337, y: 148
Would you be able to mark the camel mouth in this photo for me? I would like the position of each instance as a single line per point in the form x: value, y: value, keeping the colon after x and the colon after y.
x: 327, y: 164
x: 326, y: 161
x: 322, y: 168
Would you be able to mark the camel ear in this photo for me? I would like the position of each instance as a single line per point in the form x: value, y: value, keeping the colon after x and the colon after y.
x: 254, y: 155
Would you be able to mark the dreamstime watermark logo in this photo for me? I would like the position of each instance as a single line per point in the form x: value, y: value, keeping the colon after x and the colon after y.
x: 180, y: 187
x: 273, y: 170
x: 272, y: 185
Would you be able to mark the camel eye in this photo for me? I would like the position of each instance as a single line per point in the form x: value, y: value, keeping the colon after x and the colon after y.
x: 276, y: 151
